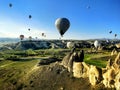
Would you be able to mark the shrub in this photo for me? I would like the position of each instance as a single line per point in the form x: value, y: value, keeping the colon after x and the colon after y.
x: 30, y: 52
x: 11, y: 57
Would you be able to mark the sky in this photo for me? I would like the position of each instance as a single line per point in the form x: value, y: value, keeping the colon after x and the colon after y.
x: 94, y: 22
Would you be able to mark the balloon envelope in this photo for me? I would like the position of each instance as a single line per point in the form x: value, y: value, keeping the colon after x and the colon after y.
x: 30, y: 16
x: 29, y: 29
x: 30, y: 37
x: 70, y: 45
x: 96, y: 44
x: 21, y: 37
x: 10, y: 5
x: 110, y: 32
x: 42, y: 34
x: 88, y: 7
x: 115, y: 35
x: 62, y: 24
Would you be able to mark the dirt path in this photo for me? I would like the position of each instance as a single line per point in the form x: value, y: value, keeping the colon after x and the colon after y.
x: 7, y: 64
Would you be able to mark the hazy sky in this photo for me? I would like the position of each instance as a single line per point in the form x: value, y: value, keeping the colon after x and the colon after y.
x: 86, y: 23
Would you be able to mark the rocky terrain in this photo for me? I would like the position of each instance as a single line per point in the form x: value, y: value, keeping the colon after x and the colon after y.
x: 53, y: 73
x: 47, y: 44
x: 72, y: 74
x: 104, y: 78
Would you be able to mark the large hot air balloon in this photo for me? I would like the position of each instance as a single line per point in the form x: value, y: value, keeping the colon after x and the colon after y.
x: 21, y: 37
x: 62, y: 24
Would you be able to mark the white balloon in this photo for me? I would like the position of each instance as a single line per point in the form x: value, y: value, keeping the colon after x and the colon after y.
x: 96, y: 44
x: 70, y: 45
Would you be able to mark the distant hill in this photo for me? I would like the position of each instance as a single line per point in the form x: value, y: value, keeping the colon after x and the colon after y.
x: 4, y: 41
x: 15, y: 43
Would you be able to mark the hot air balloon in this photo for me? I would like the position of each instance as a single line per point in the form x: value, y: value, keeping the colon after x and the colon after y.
x: 96, y: 44
x: 62, y: 24
x: 110, y: 32
x: 29, y: 29
x: 43, y: 34
x: 115, y: 35
x: 21, y: 37
x: 30, y: 16
x: 70, y: 44
x: 36, y: 37
x: 88, y: 7
x: 30, y: 38
x: 10, y: 5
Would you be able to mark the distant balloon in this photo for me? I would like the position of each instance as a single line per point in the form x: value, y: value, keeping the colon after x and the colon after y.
x: 115, y: 35
x: 29, y: 29
x: 110, y: 32
x: 96, y: 44
x: 36, y: 37
x: 21, y: 37
x: 107, y: 41
x: 43, y: 34
x: 10, y: 5
x: 88, y: 7
x: 62, y: 24
x: 70, y: 44
x: 30, y: 38
x: 30, y: 16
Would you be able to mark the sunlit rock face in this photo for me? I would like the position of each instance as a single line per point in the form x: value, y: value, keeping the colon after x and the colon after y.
x: 117, y: 45
x: 70, y: 62
x: 117, y: 60
x: 66, y: 59
x: 109, y: 64
x: 95, y: 75
x: 117, y: 81
x: 114, y: 52
x: 109, y: 76
x: 80, y: 69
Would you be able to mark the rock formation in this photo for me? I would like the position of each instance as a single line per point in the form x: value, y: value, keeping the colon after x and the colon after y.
x: 114, y: 52
x: 118, y: 45
x: 109, y: 76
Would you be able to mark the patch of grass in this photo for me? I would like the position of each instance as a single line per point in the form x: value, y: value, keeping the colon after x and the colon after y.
x: 58, y: 53
x: 99, y: 60
x: 12, y: 57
